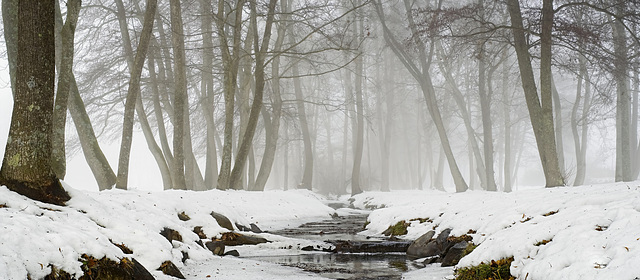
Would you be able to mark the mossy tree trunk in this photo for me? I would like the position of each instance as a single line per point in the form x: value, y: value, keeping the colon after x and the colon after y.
x: 26, y: 167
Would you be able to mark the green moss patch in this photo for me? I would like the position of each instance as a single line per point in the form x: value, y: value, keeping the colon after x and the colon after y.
x: 400, y: 228
x: 496, y: 270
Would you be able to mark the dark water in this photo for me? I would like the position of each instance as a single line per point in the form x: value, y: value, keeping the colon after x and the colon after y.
x: 360, y: 266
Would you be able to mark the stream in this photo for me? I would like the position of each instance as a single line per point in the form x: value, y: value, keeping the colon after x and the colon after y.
x: 357, y: 257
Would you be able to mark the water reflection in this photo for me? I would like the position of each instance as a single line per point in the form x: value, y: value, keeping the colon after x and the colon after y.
x: 349, y: 266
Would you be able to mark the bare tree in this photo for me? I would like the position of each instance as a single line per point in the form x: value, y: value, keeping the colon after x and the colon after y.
x: 26, y: 167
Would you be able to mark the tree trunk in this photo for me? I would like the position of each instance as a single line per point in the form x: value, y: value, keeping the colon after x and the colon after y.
x: 230, y: 61
x: 272, y: 124
x: 540, y: 110
x: 26, y: 167
x: 580, y: 141
x: 132, y: 94
x: 207, y: 95
x: 422, y: 75
x: 260, y: 53
x: 64, y: 84
x: 180, y: 96
x: 557, y: 107
x: 10, y: 24
x: 623, y: 98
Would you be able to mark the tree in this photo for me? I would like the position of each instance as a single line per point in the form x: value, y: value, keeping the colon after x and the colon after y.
x: 540, y: 107
x: 26, y: 167
x: 180, y: 96
x: 260, y: 49
x: 64, y: 85
x: 133, y: 94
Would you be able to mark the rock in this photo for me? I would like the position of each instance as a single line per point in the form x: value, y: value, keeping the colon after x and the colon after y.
x: 222, y: 220
x: 126, y: 269
x: 454, y: 254
x: 348, y: 246
x: 122, y: 247
x: 418, y: 248
x: 433, y: 247
x: 171, y: 235
x: 242, y: 227
x: 198, y: 230
x: 255, y: 228
x: 217, y: 247
x: 185, y: 256
x: 234, y: 239
x: 183, y: 216
x: 168, y: 268
x: 232, y: 253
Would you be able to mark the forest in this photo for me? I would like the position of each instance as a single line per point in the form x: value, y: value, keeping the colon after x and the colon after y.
x: 341, y: 96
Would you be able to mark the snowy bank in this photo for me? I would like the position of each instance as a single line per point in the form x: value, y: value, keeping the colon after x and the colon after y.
x: 36, y: 235
x: 593, y: 232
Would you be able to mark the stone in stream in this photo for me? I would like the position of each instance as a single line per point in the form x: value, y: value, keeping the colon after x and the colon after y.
x: 454, y: 254
x: 348, y: 246
x: 234, y: 239
x: 425, y: 246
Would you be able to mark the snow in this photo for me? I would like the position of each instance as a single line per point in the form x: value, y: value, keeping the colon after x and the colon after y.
x: 35, y: 234
x: 595, y: 233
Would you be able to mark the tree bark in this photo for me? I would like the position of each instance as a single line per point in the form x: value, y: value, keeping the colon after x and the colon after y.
x: 10, y: 24
x: 132, y: 95
x: 180, y: 96
x: 623, y: 98
x: 540, y: 110
x: 272, y: 123
x: 230, y: 61
x: 26, y: 167
x: 260, y: 53
x: 64, y: 84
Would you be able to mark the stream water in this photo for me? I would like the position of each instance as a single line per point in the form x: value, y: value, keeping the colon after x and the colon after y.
x: 383, y: 259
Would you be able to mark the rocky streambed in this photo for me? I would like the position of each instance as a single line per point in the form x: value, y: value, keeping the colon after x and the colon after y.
x: 353, y: 256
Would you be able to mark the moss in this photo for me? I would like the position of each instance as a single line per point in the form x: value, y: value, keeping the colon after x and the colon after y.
x: 468, y: 250
x: 497, y: 270
x: 543, y: 242
x: 366, y: 223
x: 14, y: 160
x: 422, y: 220
x: 400, y: 228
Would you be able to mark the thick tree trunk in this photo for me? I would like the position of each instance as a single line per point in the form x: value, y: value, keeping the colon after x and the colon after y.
x: 26, y: 167
x: 180, y: 96
x: 623, y: 98
x: 206, y: 88
x: 540, y: 109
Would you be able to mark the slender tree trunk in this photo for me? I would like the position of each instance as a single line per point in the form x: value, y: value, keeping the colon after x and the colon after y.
x: 506, y: 110
x: 230, y: 61
x: 10, y: 24
x: 580, y: 140
x: 26, y: 167
x: 273, y: 123
x: 557, y: 107
x: 540, y: 110
x: 260, y: 53
x: 64, y: 84
x: 132, y: 94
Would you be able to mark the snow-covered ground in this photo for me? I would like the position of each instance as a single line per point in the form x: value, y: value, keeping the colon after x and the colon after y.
x: 34, y: 235
x: 594, y: 231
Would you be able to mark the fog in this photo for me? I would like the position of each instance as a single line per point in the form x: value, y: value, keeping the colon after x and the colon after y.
x: 349, y: 101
